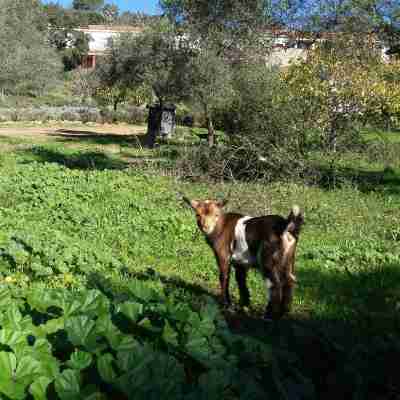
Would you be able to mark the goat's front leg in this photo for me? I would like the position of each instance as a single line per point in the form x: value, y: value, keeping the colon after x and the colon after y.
x: 224, y: 270
x: 241, y: 275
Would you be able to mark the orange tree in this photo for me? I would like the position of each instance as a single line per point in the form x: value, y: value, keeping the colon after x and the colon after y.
x: 342, y: 81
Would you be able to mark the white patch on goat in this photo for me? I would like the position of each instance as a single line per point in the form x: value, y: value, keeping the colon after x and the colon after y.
x: 211, y: 223
x: 288, y: 241
x: 268, y: 286
x: 240, y: 251
x: 296, y: 210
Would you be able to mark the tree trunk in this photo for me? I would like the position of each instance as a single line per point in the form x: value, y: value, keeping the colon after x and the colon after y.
x: 332, y: 135
x: 210, y: 128
x: 154, y: 124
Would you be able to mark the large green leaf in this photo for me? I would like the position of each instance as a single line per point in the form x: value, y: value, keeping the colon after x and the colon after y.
x: 41, y: 300
x: 13, y: 319
x: 170, y: 335
x: 157, y: 375
x: 71, y: 305
x: 94, y: 303
x: 80, y: 331
x: 15, y: 377
x: 67, y: 385
x: 80, y: 360
x: 5, y: 297
x: 105, y: 367
x: 141, y: 290
x: 137, y: 359
x: 39, y: 387
x: 8, y: 365
x: 105, y: 327
x: 53, y: 325
x: 146, y: 323
x: 27, y: 370
x: 131, y: 310
x: 123, y: 342
x: 13, y: 338
x: 197, y: 346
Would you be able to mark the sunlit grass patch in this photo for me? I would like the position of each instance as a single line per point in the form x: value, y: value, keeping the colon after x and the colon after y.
x: 81, y: 227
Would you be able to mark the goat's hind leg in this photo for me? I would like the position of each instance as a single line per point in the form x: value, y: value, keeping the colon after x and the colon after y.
x: 273, y: 284
x: 289, y: 283
x: 287, y: 297
x: 274, y: 297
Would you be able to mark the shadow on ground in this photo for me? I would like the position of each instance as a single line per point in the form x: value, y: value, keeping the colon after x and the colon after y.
x: 91, y: 160
x: 350, y: 356
x: 70, y: 135
x: 367, y: 181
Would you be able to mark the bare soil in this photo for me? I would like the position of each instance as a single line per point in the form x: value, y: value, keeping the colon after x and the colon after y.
x: 46, y: 132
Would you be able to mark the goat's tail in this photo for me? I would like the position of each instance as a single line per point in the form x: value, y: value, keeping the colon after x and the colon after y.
x: 295, y: 221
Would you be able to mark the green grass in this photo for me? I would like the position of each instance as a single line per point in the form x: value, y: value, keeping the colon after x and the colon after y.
x: 74, y: 214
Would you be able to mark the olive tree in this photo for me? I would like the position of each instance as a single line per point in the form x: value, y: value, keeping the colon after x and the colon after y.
x: 210, y: 84
x: 28, y: 64
x: 157, y: 57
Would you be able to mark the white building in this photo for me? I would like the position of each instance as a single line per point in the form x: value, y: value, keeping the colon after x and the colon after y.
x: 99, y: 39
x: 288, y: 46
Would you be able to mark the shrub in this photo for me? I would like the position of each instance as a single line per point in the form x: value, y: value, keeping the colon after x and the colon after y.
x: 265, y: 140
x: 136, y: 115
x: 88, y: 115
x: 69, y: 116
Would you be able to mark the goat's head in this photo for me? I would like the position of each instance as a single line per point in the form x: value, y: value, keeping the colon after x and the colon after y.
x: 208, y: 212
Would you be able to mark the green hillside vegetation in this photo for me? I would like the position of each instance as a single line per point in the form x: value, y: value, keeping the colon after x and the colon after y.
x: 107, y: 289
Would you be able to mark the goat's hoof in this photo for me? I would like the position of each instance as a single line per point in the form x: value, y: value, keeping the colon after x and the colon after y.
x: 268, y: 318
x: 245, y: 309
x: 226, y: 304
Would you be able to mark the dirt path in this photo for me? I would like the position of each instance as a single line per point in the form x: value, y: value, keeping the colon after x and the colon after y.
x: 46, y: 132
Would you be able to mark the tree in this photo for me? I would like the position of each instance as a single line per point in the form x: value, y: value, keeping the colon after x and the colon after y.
x: 157, y: 58
x: 235, y: 27
x: 110, y: 88
x: 225, y: 34
x: 342, y: 82
x: 28, y: 64
x: 88, y: 5
x: 136, y: 18
x: 71, y: 44
x: 210, y: 84
x: 110, y: 13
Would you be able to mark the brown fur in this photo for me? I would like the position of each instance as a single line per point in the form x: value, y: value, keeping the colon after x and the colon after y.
x: 272, y: 238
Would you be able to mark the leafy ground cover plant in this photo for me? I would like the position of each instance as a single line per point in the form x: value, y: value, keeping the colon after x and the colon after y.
x: 106, y: 287
x: 72, y: 345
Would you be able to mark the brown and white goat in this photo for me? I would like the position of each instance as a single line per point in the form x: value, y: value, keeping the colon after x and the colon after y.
x: 267, y: 243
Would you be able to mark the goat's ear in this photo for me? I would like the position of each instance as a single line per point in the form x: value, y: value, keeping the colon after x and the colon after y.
x: 191, y: 203
x: 222, y: 203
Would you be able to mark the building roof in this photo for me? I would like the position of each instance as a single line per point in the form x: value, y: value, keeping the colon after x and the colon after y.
x: 100, y: 35
x: 111, y: 28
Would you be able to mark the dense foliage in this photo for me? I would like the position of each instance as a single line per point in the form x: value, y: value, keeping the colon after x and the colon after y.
x: 79, y: 319
x: 85, y: 345
x: 342, y: 82
x: 105, y: 289
x: 28, y: 64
